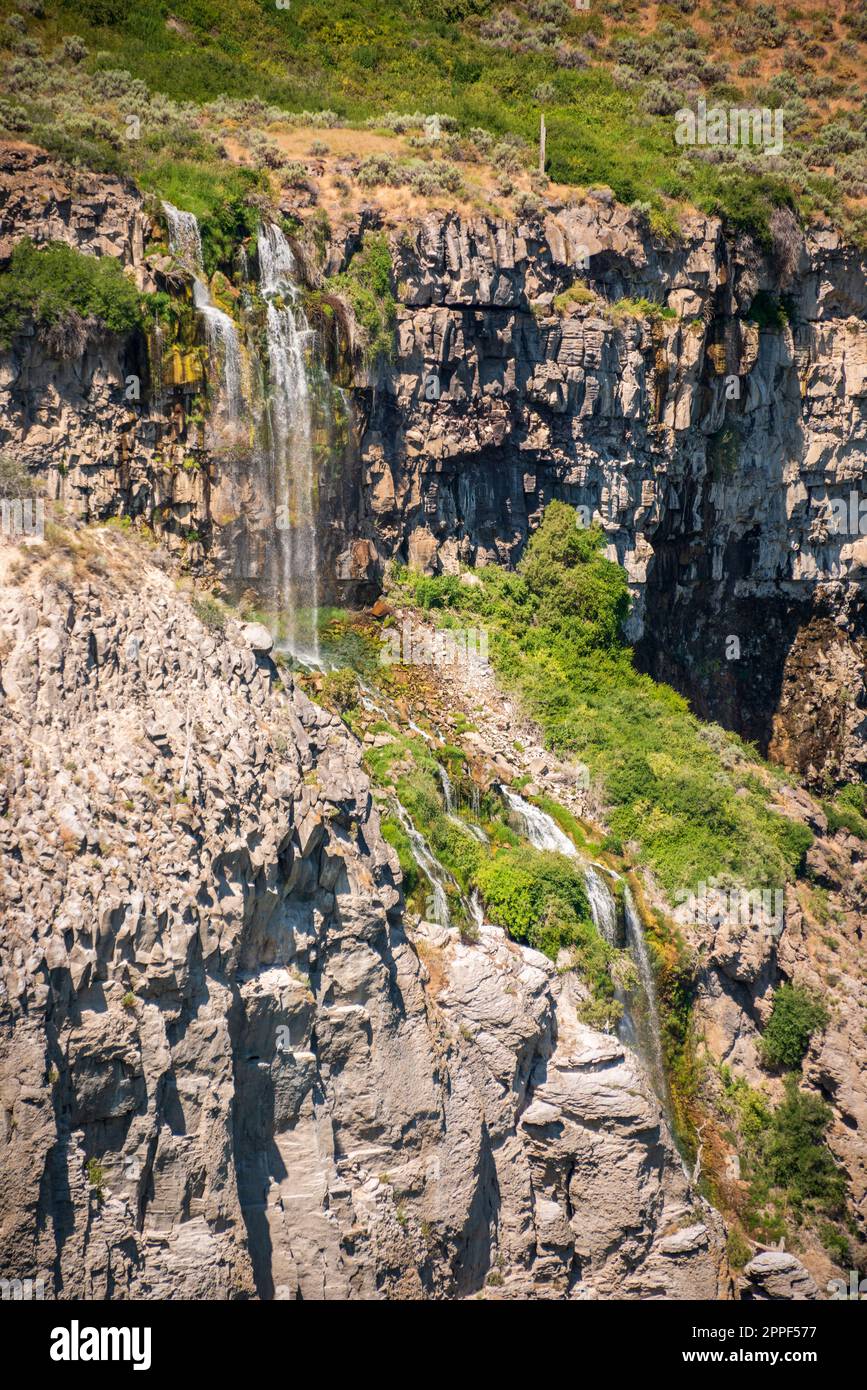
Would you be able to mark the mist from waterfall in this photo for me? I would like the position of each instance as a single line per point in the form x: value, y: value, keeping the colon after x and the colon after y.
x: 292, y: 563
x: 224, y: 349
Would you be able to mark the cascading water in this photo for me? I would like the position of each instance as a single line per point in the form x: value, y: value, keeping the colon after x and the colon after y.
x: 446, y: 784
x: 602, y: 905
x: 477, y: 831
x: 184, y: 239
x: 436, y: 874
x: 537, y: 826
x: 291, y: 483
x: 221, y: 333
x: 646, y: 1022
x: 223, y: 348
x: 543, y: 832
x: 639, y: 1023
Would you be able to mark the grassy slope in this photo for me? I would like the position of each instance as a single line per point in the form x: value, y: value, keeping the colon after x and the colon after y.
x: 691, y: 798
x: 361, y: 60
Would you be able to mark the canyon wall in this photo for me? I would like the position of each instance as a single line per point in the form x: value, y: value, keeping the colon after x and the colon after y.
x: 709, y: 448
x: 721, y: 453
x: 229, y: 1067
x: 381, y: 1108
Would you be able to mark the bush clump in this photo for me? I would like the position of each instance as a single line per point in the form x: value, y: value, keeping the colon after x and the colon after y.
x: 794, y: 1018
x: 340, y: 689
x: 66, y: 293
x: 366, y: 285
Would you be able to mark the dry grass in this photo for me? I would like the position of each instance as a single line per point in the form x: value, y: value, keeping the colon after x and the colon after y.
x: 342, y: 198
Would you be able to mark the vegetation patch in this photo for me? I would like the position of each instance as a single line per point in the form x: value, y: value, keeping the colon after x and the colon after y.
x: 795, y: 1017
x: 691, y: 801
x: 367, y: 285
x: 790, y: 1178
x: 67, y: 294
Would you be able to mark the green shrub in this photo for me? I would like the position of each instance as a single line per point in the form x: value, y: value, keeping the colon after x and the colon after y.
x: 395, y: 835
x: 54, y: 283
x: 367, y: 285
x: 209, y: 611
x: 738, y: 1249
x: 96, y: 1178
x: 848, y: 811
x: 576, y: 294
x: 340, y: 689
x: 540, y: 898
x: 482, y: 71
x: 796, y: 1155
x: 768, y: 311
x: 15, y: 479
x: 785, y: 1158
x: 795, y: 1016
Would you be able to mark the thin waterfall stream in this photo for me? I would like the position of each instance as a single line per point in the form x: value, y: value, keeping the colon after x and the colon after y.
x: 646, y: 1019
x: 224, y: 348
x: 293, y: 568
x: 439, y: 878
x: 639, y: 1026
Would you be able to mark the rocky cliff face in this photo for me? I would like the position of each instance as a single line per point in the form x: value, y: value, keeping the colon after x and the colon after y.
x: 722, y: 453
x: 711, y: 448
x: 229, y: 1068
x: 232, y: 1065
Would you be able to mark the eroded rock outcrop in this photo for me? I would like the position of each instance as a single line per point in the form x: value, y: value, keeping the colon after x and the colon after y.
x: 229, y: 1068
x: 716, y: 441
x: 778, y: 1276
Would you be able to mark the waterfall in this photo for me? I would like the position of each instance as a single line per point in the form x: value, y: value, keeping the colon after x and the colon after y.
x: 439, y: 878
x: 445, y: 782
x: 649, y: 1036
x: 220, y: 331
x: 639, y: 1026
x: 291, y: 468
x: 536, y: 826
x: 436, y: 874
x: 476, y: 911
x: 184, y: 239
x: 543, y: 832
x: 223, y: 348
x: 476, y: 831
x: 416, y: 730
x: 602, y: 905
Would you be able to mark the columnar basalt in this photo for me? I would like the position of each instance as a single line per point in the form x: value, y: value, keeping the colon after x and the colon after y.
x: 714, y: 441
